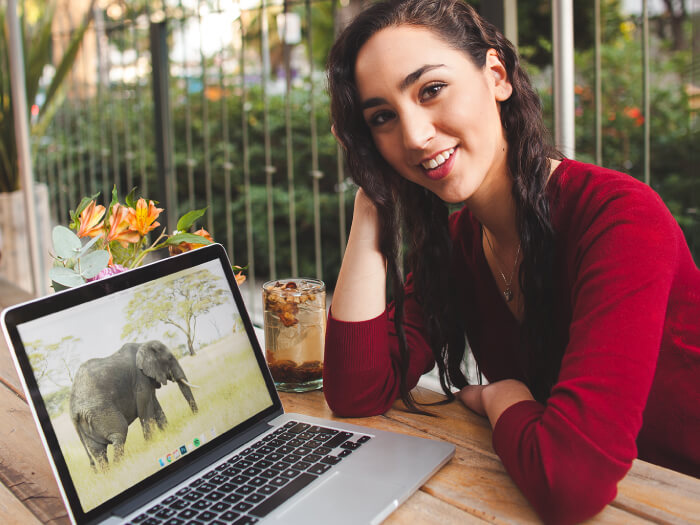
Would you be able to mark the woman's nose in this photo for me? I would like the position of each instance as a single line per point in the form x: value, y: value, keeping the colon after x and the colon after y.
x: 417, y: 129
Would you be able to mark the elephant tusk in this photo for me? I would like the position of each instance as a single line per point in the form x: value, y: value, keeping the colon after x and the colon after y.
x: 189, y: 384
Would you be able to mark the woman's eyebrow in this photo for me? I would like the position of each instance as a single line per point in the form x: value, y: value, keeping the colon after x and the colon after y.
x: 410, y: 79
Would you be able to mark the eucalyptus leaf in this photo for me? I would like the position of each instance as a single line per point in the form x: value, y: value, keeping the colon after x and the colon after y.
x: 58, y: 287
x: 186, y: 237
x: 87, y: 246
x: 93, y: 263
x: 65, y: 276
x: 187, y: 220
x: 66, y: 244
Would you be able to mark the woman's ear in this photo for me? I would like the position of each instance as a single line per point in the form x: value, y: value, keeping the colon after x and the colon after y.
x: 503, y: 89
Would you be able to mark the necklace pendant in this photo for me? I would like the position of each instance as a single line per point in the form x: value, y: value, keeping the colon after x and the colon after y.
x: 508, y: 295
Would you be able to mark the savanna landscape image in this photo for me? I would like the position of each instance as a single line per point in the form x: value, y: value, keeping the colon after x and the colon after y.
x: 172, y: 370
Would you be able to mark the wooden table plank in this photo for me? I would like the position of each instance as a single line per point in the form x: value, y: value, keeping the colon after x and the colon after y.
x: 9, y: 296
x: 13, y: 511
x: 659, y: 494
x: 25, y: 469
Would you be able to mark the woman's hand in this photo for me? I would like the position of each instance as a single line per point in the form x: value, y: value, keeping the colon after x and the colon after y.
x: 493, y: 399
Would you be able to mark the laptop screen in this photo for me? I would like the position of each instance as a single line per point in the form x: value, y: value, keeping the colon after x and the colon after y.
x: 140, y: 374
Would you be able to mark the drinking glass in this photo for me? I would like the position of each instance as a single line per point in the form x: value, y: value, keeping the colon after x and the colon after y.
x: 295, y: 327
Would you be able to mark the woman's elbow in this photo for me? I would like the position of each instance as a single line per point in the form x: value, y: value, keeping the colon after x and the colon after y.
x: 351, y: 396
x: 345, y: 406
x: 573, y: 498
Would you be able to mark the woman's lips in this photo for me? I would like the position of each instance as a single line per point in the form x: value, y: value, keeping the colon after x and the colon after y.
x: 443, y: 169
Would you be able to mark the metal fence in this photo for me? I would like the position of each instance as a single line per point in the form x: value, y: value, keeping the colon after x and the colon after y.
x: 237, y: 123
x: 205, y: 103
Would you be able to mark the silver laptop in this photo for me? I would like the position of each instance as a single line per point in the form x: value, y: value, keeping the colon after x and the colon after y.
x: 155, y: 406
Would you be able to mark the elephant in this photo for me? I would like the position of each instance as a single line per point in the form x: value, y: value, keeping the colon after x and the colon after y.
x: 108, y: 393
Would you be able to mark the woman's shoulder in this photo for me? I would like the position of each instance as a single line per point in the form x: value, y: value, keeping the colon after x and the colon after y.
x: 582, y: 192
x: 573, y: 177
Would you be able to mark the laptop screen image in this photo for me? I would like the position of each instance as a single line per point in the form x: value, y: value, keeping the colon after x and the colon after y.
x: 137, y: 379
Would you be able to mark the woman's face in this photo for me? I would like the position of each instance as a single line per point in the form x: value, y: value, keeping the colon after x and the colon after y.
x: 434, y: 116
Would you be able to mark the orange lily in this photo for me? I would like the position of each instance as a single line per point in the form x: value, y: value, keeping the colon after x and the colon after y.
x: 91, y: 220
x: 119, y: 226
x: 188, y: 246
x: 142, y: 218
x: 240, y: 278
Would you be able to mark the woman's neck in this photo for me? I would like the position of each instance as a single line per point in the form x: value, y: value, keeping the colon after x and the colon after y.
x: 494, y: 207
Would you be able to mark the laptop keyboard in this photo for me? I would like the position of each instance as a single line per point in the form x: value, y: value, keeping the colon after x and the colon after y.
x: 254, y: 482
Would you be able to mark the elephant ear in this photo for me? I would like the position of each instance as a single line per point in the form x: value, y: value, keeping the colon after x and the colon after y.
x: 147, y: 362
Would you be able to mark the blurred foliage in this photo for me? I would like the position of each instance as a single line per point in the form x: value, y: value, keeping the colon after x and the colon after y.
x: 35, y: 22
x: 113, y: 133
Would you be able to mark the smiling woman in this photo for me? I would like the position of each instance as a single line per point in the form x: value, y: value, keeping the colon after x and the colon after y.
x: 572, y: 283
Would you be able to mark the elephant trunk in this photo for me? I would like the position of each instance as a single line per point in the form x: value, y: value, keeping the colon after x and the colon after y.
x: 187, y: 393
x: 178, y: 375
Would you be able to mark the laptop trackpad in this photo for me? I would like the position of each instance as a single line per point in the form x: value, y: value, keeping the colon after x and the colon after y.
x: 341, y: 498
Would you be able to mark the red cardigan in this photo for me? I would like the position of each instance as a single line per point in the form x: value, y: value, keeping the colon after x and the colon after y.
x: 629, y: 385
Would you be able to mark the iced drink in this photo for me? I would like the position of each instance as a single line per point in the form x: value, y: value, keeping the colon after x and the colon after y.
x: 295, y: 326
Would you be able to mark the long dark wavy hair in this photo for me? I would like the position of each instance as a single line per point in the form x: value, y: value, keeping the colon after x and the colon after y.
x: 413, y: 216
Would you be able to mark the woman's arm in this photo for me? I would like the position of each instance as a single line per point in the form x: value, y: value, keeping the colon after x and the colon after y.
x: 493, y: 399
x: 360, y: 290
x: 360, y: 370
x: 621, y: 264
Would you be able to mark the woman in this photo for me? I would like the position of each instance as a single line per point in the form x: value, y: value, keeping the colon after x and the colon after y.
x: 573, y: 284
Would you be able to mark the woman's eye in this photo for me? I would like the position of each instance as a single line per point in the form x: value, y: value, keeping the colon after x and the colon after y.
x: 431, y: 91
x: 380, y: 118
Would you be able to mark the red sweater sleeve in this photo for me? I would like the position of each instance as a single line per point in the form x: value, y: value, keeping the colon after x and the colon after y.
x: 361, y: 363
x: 568, y: 456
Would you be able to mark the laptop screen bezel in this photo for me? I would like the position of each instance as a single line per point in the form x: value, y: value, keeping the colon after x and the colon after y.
x: 17, y: 315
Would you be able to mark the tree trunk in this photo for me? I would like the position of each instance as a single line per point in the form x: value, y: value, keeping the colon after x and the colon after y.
x: 676, y: 12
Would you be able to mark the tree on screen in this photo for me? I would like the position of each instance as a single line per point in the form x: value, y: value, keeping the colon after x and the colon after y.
x: 177, y: 302
x: 54, y: 363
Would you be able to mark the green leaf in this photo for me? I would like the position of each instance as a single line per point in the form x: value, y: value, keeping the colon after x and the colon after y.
x: 58, y: 287
x: 65, y: 276
x: 93, y: 263
x: 75, y: 216
x: 66, y: 244
x: 186, y: 237
x: 188, y: 219
x: 131, y: 198
x: 115, y: 200
x: 87, y: 246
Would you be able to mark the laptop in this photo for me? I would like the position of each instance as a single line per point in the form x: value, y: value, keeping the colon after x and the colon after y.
x: 155, y: 406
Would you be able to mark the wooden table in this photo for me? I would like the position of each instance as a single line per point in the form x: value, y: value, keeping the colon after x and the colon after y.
x: 472, y: 488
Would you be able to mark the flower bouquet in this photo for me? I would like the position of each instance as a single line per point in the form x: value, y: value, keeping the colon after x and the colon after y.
x: 117, y: 239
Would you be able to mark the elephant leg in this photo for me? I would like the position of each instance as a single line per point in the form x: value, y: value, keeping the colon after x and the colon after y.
x: 113, y: 428
x: 99, y: 452
x: 160, y: 418
x: 117, y: 440
x: 146, y: 426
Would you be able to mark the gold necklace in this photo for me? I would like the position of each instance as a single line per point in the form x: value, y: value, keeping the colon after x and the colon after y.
x: 508, y: 292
